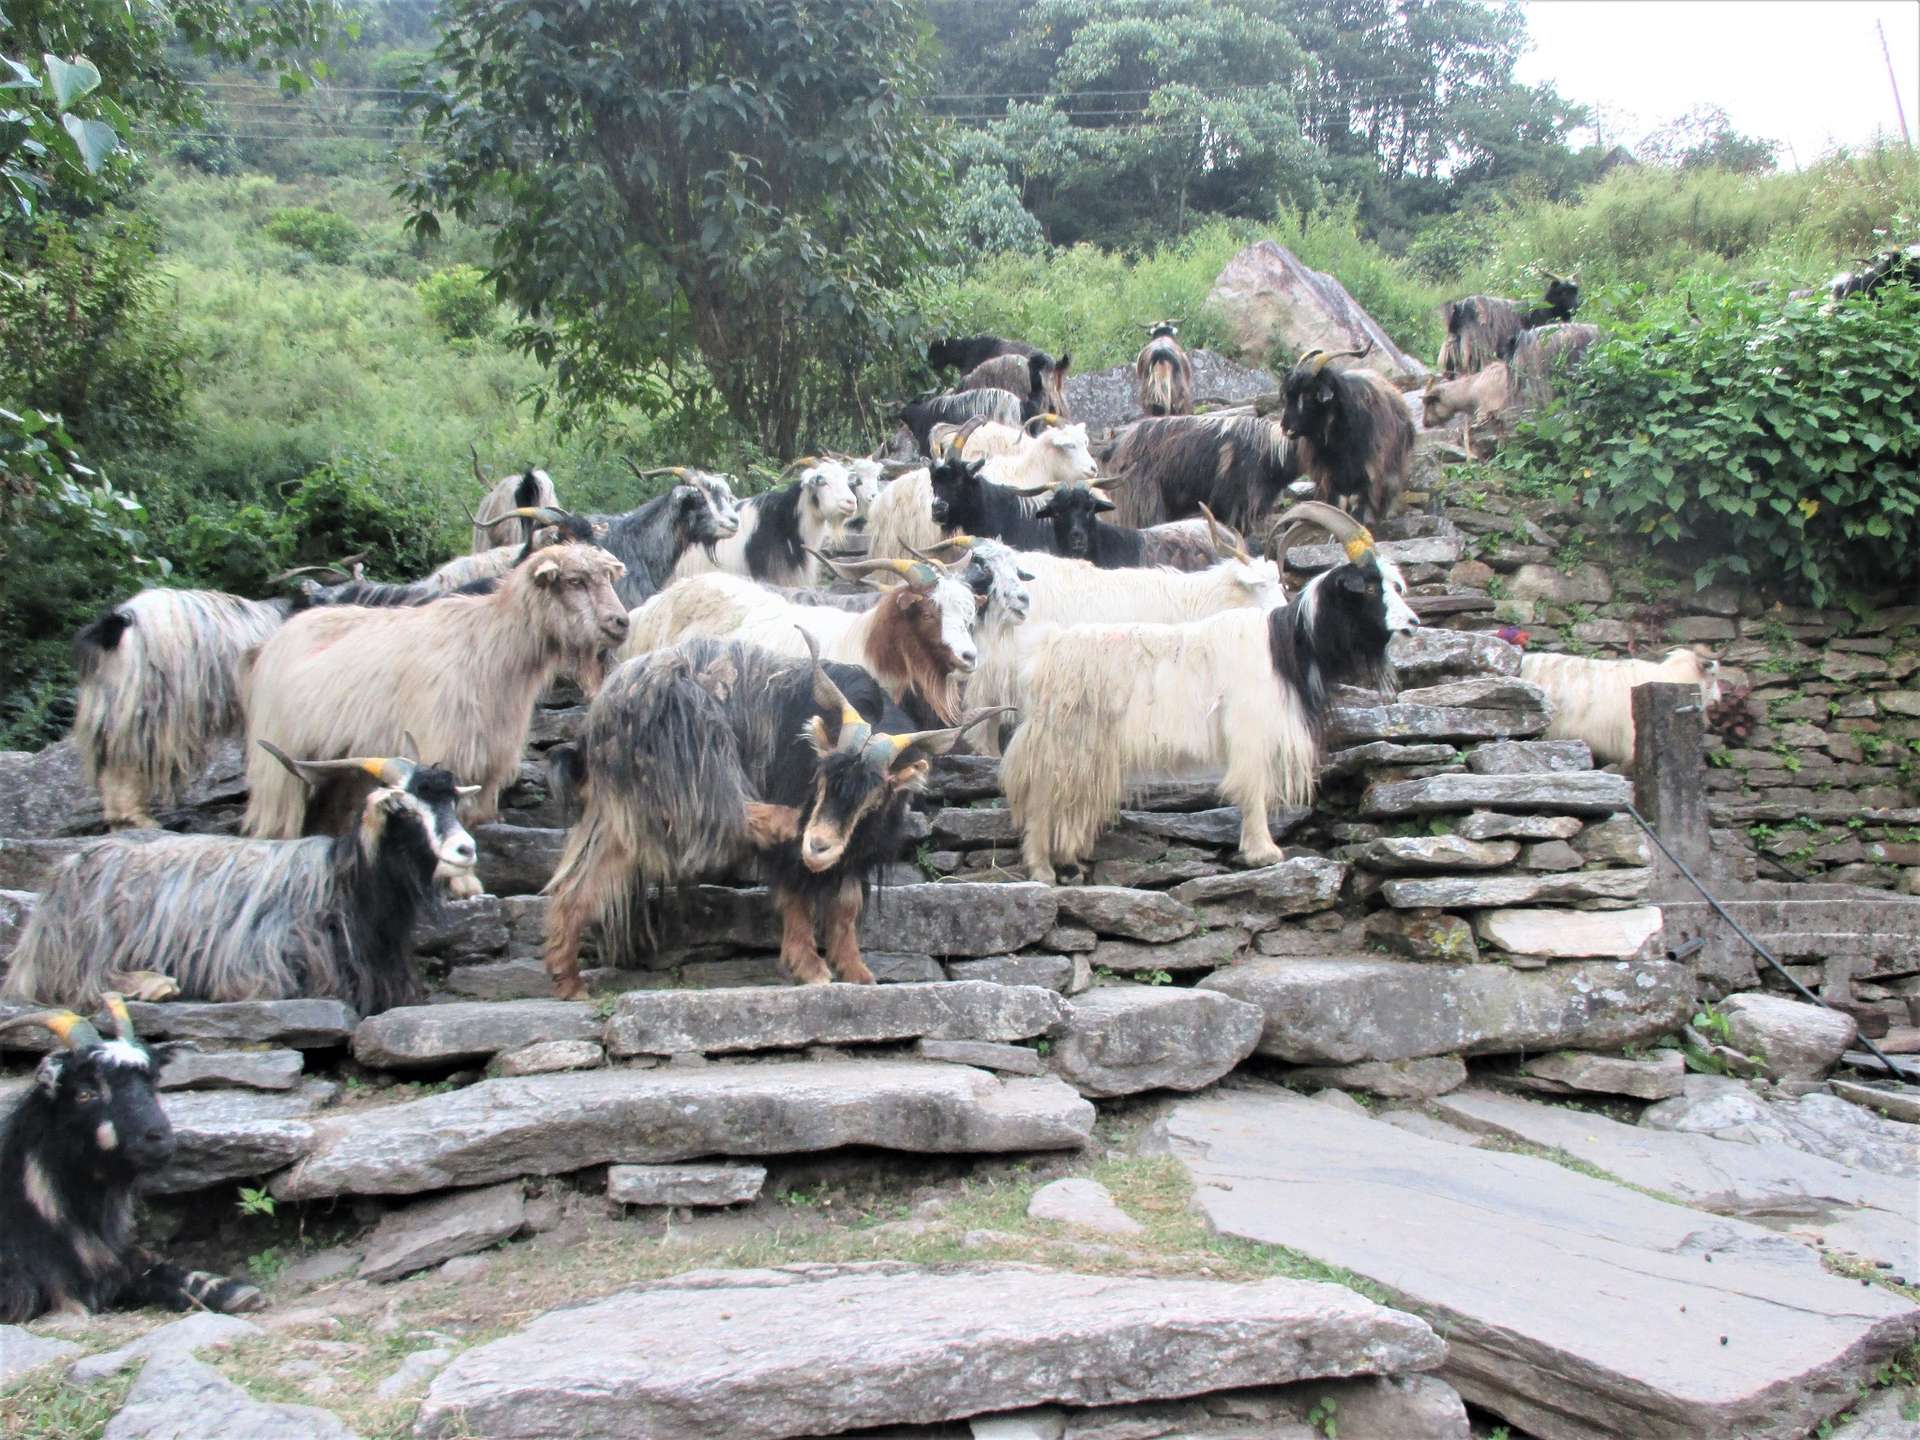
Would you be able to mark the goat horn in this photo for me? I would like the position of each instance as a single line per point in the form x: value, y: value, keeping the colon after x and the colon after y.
x: 478, y: 473
x: 545, y: 514
x: 1043, y: 421
x: 116, y: 1006
x: 920, y: 574
x: 1218, y: 533
x: 854, y: 729
x: 388, y: 770
x: 939, y: 742
x: 1027, y: 492
x: 943, y: 565
x: 1357, y: 539
x: 337, y: 575
x: 75, y: 1032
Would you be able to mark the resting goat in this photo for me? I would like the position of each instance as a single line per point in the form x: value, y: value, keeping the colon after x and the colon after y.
x: 777, y: 529
x: 922, y: 415
x: 650, y: 540
x: 500, y: 520
x: 697, y: 757
x: 461, y: 675
x: 965, y: 354
x: 1039, y: 380
x: 1593, y: 698
x: 1238, y: 466
x: 1482, y: 328
x: 903, y: 517
x: 1351, y: 434
x: 1247, y: 691
x: 71, y: 1152
x: 1163, y: 375
x: 1074, y: 512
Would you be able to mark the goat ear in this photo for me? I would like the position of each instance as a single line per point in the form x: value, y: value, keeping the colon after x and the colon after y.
x: 546, y: 573
x: 47, y: 1075
x: 1101, y: 505
x: 909, y: 777
x: 1066, y: 359
x: 819, y: 737
x: 1023, y: 574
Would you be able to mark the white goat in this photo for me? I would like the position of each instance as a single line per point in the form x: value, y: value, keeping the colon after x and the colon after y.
x: 494, y: 523
x: 1593, y: 699
x: 778, y: 528
x: 902, y: 518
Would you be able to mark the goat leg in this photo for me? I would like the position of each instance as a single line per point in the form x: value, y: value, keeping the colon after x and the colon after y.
x: 843, y: 935
x: 579, y: 895
x: 771, y: 825
x: 163, y: 1284
x: 798, y: 957
x: 123, y: 799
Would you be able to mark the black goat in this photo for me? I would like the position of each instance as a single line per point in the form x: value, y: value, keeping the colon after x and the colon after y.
x: 650, y: 540
x: 1080, y: 534
x: 1238, y: 466
x: 1897, y: 265
x: 963, y: 354
x: 1038, y: 379
x: 71, y: 1153
x: 1351, y: 434
x: 1482, y: 328
x: 962, y: 500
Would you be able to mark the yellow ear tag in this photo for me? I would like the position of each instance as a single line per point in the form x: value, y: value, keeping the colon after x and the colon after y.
x: 374, y: 768
x: 1359, y: 545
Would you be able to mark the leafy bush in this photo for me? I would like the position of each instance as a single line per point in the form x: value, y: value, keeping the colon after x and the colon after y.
x: 460, y: 302
x: 1779, y: 444
x: 320, y: 233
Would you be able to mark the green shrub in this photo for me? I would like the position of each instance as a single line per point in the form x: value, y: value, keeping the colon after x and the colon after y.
x: 320, y: 233
x: 1776, y: 443
x: 460, y: 302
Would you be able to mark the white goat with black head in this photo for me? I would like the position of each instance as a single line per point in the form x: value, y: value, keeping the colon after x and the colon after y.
x: 222, y: 918
x: 779, y: 528
x: 903, y: 518
x: 1247, y: 691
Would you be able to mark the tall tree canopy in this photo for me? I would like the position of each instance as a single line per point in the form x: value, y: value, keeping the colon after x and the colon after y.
x: 745, y: 184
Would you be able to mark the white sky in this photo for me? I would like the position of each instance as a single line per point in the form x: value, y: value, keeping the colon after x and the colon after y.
x: 1807, y: 73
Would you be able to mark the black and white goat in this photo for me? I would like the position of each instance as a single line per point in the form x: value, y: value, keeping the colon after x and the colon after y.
x: 778, y: 528
x: 1351, y: 433
x: 1246, y: 691
x: 71, y: 1152
x: 964, y: 353
x: 501, y: 518
x: 700, y: 512
x: 699, y: 757
x: 329, y: 916
x: 921, y: 416
x: 1162, y: 373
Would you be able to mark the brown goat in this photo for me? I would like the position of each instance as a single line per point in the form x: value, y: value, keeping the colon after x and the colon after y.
x: 1039, y: 381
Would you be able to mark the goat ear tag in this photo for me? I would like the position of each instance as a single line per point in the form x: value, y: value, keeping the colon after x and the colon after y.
x: 1358, y: 546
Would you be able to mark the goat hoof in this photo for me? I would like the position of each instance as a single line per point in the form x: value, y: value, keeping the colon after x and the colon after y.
x: 1257, y: 859
x: 241, y: 1300
x: 465, y: 887
x: 145, y: 985
x: 574, y: 989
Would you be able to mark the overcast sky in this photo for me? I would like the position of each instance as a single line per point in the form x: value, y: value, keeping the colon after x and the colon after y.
x: 1807, y: 73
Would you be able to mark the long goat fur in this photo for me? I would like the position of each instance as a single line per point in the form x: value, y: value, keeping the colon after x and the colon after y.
x: 1480, y: 330
x: 993, y: 404
x: 1039, y: 380
x: 461, y: 676
x: 901, y: 520
x: 1542, y: 354
x: 493, y: 526
x: 779, y: 527
x: 1593, y: 698
x: 1239, y: 466
x: 1163, y: 377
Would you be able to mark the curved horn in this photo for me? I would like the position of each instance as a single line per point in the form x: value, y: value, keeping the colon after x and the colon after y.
x: 799, y: 463
x: 939, y: 742
x: 944, y: 566
x: 116, y: 1007
x: 388, y: 770
x: 1027, y: 492
x: 478, y: 473
x: 1044, y: 421
x: 639, y: 474
x: 1217, y: 534
x: 74, y: 1032
x: 962, y: 542
x: 1357, y: 539
x: 827, y: 695
x: 545, y: 514
x: 918, y: 573
x: 335, y: 575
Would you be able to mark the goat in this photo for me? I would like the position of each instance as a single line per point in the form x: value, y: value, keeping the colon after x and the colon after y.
x: 1351, y: 434
x: 996, y: 575
x: 902, y: 520
x: 1163, y: 375
x: 650, y: 540
x: 475, y: 574
x: 979, y: 439
x: 461, y: 674
x: 965, y: 354
x: 1238, y: 466
x: 223, y: 918
x: 1593, y: 698
x: 1480, y: 395
x: 1078, y: 533
x: 777, y: 529
x: 1541, y: 353
x: 1246, y: 690
x: 696, y: 757
x: 1038, y: 379
x: 1482, y: 328
x: 71, y: 1153
x: 867, y: 478
x: 505, y: 501
x: 922, y: 415
x: 1900, y: 265
x: 918, y: 640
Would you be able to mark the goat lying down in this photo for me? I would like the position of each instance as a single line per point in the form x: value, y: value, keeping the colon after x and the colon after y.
x: 1593, y: 698
x: 1246, y: 690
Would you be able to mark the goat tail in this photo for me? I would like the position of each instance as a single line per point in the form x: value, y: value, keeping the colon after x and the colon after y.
x: 1157, y: 394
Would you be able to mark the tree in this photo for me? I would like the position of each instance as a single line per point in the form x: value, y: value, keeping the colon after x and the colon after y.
x: 693, y: 196
x: 1704, y: 139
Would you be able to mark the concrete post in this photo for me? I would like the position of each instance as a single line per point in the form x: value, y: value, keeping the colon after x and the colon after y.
x: 1669, y: 781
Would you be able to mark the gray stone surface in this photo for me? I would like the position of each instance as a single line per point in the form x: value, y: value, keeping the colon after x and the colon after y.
x: 1571, y: 934
x: 45, y: 793
x: 186, y: 1399
x: 816, y: 1350
x: 429, y: 1231
x: 1883, y: 1415
x: 1614, y: 841
x: 1901, y: 1105
x: 225, y: 1135
x: 242, y: 1069
x: 16, y: 908
x: 670, y: 1022
x: 1595, y: 793
x: 1574, y: 1309
x: 21, y: 1350
x: 990, y: 826
x: 1793, y: 1039
x: 1530, y: 757
x: 1492, y: 825
x: 413, y: 1372
x: 953, y: 920
x: 1425, y: 550
x: 551, y: 1124
x: 1085, y: 1203
x: 1424, y: 935
x: 1391, y: 1079
x: 1219, y: 826
x: 1874, y: 1216
x: 1413, y: 853
x: 1128, y: 914
x: 1465, y: 714
x: 1063, y: 974
x: 1273, y: 301
x: 1430, y: 654
x: 1376, y: 754
x: 1111, y: 397
x: 544, y: 1057
x: 1123, y: 1039
x: 176, y: 1340
x: 1450, y: 891
x: 1007, y: 1059
x: 1552, y: 855
x: 1260, y: 899
x: 701, y: 1185
x: 428, y: 1036
x: 1569, y: 1072
x: 1340, y: 1012
x: 1206, y: 951
x: 1818, y: 1124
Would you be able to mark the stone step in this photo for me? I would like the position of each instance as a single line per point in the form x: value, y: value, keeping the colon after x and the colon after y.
x: 1886, y: 927
x: 551, y: 1124
x: 295, y: 1024
x: 1573, y: 1308
x: 821, y: 1349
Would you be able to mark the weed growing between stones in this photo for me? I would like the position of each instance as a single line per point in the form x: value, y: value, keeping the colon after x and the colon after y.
x: 46, y: 1407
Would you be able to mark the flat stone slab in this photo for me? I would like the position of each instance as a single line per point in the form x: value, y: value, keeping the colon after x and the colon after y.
x: 427, y: 1036
x: 1530, y: 757
x: 1492, y: 825
x: 1902, y: 1105
x: 673, y: 1022
x: 1570, y: 1072
x: 232, y: 1069
x: 1123, y: 1039
x: 700, y: 1185
x: 1593, y: 793
x: 1206, y: 951
x: 298, y: 1024
x: 1570, y: 934
x: 551, y: 1124
x: 1443, y: 891
x: 820, y: 1349
x: 956, y: 920
x: 987, y: 1054
x: 1573, y: 1308
x: 424, y: 1234
x: 1392, y: 1079
x: 543, y: 1057
x: 178, y: 1398
x: 1819, y: 1124
x: 21, y: 1350
x: 180, y: 1339
x: 1082, y: 1202
x: 1260, y: 899
x: 1404, y: 853
x: 1875, y: 1216
x: 225, y: 1135
x: 1338, y: 1012
x: 1429, y: 654
x: 1128, y: 914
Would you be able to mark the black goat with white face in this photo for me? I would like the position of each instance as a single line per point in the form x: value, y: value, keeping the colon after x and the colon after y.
x: 1080, y: 534
x: 649, y: 541
x: 71, y: 1154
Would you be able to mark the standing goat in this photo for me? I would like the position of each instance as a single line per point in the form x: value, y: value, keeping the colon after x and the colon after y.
x: 903, y: 521
x: 1539, y: 356
x: 494, y: 523
x: 649, y: 541
x: 1163, y: 375
x: 1238, y: 466
x: 462, y: 675
x: 330, y: 916
x: 777, y: 529
x: 1080, y: 534
x: 84, y: 1134
x: 1247, y: 690
x: 1593, y: 698
x: 1482, y: 328
x: 703, y: 755
x: 1351, y: 434
x: 966, y: 353
x: 1039, y: 380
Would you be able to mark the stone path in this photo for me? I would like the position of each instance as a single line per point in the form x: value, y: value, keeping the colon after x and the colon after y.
x: 1573, y: 1308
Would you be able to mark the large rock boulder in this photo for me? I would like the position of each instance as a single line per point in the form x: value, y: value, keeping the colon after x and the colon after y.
x: 822, y: 1349
x: 1122, y: 1039
x: 1270, y: 300
x: 1794, y: 1040
x: 178, y: 1396
x: 1106, y: 398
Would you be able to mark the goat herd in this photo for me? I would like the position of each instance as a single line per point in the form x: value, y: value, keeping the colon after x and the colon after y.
x: 1091, y: 615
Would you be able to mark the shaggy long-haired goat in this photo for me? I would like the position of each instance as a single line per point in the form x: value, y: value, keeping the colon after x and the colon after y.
x: 1246, y: 690
x: 1480, y: 395
x: 697, y: 757
x: 966, y: 352
x: 903, y: 521
x: 993, y: 404
x: 1162, y: 373
x: 777, y: 529
x: 501, y: 520
x: 1541, y: 355
x: 1238, y: 466
x: 460, y: 675
x: 71, y: 1152
x: 1074, y: 513
x: 1351, y: 434
x: 1593, y: 698
x: 1038, y: 379
x: 232, y: 919
x: 1482, y: 328
x: 699, y: 511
